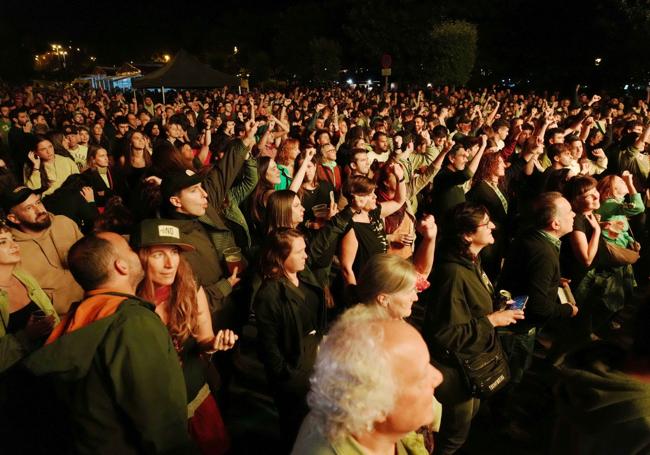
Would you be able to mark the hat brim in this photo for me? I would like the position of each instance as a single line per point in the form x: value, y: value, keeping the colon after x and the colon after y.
x: 181, y: 246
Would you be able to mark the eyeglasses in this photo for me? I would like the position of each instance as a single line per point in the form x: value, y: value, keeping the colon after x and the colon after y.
x: 487, y: 223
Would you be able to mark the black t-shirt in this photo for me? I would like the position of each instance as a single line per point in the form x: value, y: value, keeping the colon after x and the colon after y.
x: 571, y: 266
x: 371, y: 238
x: 310, y: 198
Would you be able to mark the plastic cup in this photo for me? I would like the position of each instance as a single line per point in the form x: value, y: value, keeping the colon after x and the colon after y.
x: 321, y: 212
x: 233, y: 259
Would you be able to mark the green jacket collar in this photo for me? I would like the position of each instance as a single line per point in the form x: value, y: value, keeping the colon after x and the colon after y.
x: 551, y: 238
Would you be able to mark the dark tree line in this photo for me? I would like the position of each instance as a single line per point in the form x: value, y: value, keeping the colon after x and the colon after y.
x: 549, y: 43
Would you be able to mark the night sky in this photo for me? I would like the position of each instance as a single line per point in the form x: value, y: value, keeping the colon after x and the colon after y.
x: 554, y: 40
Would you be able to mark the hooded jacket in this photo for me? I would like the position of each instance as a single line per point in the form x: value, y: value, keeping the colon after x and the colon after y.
x: 121, y: 381
x: 45, y: 257
x: 456, y: 320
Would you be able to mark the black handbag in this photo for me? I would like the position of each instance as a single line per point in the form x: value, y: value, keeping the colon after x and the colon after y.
x: 484, y: 373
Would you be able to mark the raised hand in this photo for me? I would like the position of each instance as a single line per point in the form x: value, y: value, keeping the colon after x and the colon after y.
x: 427, y: 227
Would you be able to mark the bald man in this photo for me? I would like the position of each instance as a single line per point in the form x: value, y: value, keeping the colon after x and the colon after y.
x: 114, y: 359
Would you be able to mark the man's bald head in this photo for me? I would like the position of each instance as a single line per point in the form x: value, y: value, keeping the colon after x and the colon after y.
x: 90, y: 260
x: 105, y: 259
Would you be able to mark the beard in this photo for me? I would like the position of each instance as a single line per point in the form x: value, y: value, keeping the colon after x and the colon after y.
x: 37, y: 225
x: 137, y: 273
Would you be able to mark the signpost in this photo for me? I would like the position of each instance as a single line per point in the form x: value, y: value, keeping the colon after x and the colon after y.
x: 386, y: 63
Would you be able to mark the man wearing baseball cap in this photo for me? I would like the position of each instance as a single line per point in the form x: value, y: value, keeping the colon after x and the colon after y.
x: 44, y: 241
x: 186, y: 201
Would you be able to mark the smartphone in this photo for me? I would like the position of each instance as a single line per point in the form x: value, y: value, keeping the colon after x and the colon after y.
x: 518, y: 303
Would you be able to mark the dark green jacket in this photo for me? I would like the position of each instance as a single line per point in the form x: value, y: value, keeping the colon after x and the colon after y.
x: 121, y: 380
x: 209, y: 235
x: 602, y: 410
x: 532, y: 268
x: 456, y: 319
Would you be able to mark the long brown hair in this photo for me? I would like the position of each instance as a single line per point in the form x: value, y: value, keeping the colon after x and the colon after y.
x: 487, y: 167
x: 45, y: 179
x: 146, y: 153
x: 258, y: 207
x: 606, y: 187
x: 283, y: 157
x: 279, y: 211
x: 183, y: 306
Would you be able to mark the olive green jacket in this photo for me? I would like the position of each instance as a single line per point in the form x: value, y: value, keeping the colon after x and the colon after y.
x: 311, y: 442
x: 122, y: 383
x: 14, y: 347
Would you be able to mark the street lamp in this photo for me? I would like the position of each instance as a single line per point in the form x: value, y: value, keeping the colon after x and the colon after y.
x: 166, y: 57
x: 597, y: 61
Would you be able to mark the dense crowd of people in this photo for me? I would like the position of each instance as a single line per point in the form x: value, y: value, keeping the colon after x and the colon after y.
x: 402, y: 256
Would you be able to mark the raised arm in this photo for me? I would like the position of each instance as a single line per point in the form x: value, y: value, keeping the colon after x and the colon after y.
x: 390, y: 207
x: 472, y: 166
x: 296, y: 183
x: 644, y: 138
x: 424, y: 253
x: 583, y: 249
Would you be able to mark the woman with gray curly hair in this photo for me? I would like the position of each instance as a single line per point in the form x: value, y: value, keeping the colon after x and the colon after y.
x: 371, y: 389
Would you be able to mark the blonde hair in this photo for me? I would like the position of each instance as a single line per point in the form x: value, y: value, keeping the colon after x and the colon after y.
x: 384, y: 274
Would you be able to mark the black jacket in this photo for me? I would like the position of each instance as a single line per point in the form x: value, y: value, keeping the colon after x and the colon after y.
x: 102, y: 191
x: 279, y: 329
x: 456, y: 317
x: 532, y: 268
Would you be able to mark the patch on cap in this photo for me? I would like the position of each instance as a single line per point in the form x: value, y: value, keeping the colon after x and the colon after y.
x: 190, y: 172
x: 165, y: 230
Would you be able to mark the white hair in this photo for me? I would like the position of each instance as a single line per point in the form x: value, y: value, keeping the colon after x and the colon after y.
x: 353, y: 386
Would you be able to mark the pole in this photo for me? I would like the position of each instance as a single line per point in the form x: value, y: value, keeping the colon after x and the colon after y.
x: 163, y: 92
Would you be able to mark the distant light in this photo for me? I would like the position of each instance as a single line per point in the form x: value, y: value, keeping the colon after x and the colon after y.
x: 78, y: 50
x: 429, y: 85
x: 166, y: 57
x: 393, y: 85
x: 369, y: 82
x: 36, y: 58
x: 235, y: 50
x: 93, y: 58
x: 350, y: 81
x: 627, y: 86
x: 597, y: 61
